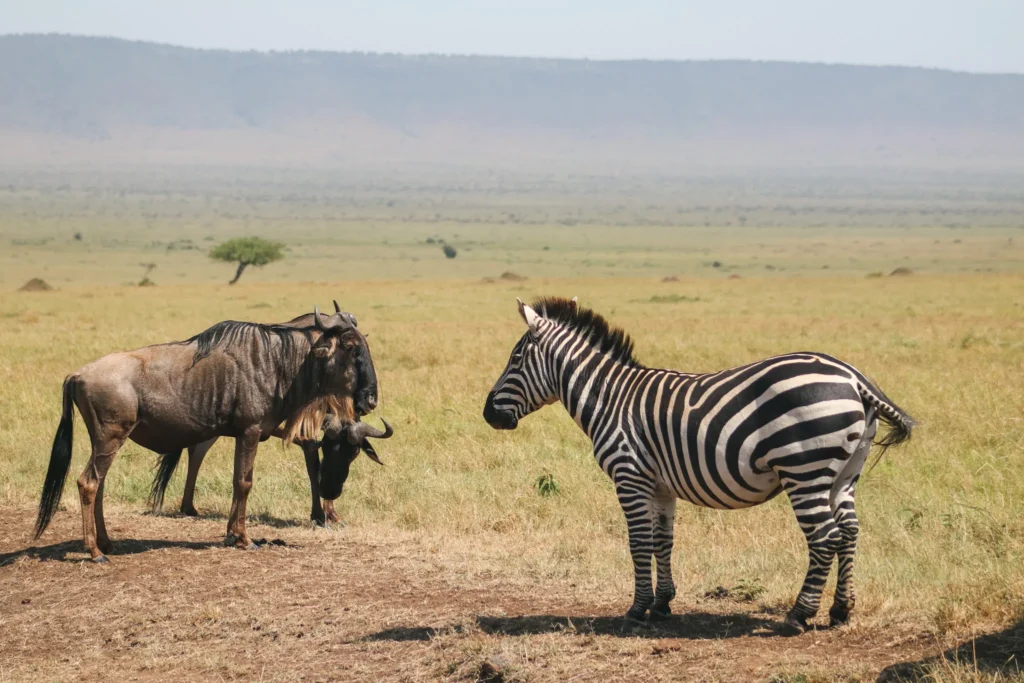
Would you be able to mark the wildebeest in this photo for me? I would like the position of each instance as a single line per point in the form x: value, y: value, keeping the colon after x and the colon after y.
x: 340, y: 447
x: 235, y: 379
x: 340, y: 444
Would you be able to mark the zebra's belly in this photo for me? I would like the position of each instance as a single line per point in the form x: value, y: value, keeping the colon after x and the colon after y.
x: 723, y: 488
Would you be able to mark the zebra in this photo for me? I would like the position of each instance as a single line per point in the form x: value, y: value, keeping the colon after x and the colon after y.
x: 802, y: 423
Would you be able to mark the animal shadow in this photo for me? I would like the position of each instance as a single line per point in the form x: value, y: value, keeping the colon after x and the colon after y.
x: 1000, y: 653
x: 73, y: 551
x: 256, y: 519
x: 689, y: 626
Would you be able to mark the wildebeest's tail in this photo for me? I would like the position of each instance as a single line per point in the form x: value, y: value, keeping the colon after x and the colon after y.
x: 165, y: 467
x: 60, y: 460
x: 898, y: 421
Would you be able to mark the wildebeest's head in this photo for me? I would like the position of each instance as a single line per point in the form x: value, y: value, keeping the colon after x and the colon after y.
x: 340, y: 446
x: 357, y: 354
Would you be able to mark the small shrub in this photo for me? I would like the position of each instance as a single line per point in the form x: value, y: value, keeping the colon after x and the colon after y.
x: 449, y: 251
x: 546, y: 485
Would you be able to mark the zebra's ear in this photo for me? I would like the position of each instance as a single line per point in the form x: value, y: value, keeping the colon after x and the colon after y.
x: 528, y: 315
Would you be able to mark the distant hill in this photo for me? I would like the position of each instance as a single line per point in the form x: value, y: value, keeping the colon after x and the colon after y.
x: 75, y: 100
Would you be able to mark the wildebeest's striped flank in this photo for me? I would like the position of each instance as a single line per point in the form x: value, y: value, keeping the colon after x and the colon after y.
x: 802, y: 423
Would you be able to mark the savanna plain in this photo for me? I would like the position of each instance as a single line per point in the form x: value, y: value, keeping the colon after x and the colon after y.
x: 476, y: 553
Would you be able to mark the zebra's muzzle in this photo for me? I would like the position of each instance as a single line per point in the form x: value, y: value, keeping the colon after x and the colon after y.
x: 499, y: 419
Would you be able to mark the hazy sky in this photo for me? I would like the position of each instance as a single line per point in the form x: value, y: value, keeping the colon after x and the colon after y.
x: 971, y: 35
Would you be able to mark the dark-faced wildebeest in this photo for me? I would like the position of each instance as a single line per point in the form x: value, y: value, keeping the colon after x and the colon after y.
x: 326, y: 480
x: 341, y: 443
x: 235, y: 379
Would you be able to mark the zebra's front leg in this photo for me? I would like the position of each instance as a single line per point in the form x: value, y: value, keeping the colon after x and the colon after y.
x: 814, y: 514
x: 664, y: 526
x: 637, y: 504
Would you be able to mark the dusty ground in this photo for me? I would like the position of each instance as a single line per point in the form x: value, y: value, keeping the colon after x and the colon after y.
x: 332, y: 605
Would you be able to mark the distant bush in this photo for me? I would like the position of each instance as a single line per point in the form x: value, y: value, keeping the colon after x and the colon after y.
x: 449, y: 251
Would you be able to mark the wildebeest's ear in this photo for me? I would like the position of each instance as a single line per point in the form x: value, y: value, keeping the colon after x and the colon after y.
x: 528, y: 315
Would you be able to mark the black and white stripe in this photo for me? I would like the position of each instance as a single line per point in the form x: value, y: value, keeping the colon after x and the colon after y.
x: 802, y: 423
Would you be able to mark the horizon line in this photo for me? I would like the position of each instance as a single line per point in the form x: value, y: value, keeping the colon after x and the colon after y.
x: 459, y: 55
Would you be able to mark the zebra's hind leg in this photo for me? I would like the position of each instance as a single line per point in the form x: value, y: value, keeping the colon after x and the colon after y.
x: 810, y: 500
x: 664, y: 523
x: 845, y: 515
x: 637, y: 503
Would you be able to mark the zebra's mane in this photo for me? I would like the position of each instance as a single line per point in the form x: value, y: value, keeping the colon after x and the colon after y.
x: 612, y: 341
x: 232, y: 332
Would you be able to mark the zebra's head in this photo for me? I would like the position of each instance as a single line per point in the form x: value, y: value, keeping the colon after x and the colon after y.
x: 528, y: 382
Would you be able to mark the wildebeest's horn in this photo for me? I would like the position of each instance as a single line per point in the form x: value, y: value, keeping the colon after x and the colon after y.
x: 323, y: 325
x: 362, y: 430
x: 370, y: 452
x: 337, y: 308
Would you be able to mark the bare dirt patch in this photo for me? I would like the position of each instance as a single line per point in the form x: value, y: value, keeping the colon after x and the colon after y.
x: 335, y: 604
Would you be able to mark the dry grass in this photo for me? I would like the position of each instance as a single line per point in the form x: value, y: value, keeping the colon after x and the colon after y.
x: 943, y: 530
x: 452, y: 554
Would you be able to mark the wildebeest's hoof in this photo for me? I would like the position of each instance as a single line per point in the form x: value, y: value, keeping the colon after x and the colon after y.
x: 241, y: 542
x: 100, y: 559
x: 838, y: 616
x: 190, y: 512
x: 794, y: 625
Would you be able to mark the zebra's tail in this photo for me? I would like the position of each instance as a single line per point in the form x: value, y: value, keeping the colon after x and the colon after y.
x: 899, y: 422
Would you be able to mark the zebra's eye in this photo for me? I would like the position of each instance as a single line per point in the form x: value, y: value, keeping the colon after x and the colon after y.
x: 516, y: 358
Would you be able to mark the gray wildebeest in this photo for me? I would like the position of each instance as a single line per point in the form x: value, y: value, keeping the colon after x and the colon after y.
x: 341, y: 442
x: 235, y: 379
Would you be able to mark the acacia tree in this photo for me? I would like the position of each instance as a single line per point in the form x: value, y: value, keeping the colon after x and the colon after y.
x: 248, y: 251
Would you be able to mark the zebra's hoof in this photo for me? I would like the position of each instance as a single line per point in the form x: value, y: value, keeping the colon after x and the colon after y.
x: 794, y: 625
x: 637, y: 615
x: 660, y: 611
x: 838, y: 616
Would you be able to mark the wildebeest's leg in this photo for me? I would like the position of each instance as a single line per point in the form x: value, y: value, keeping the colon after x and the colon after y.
x: 107, y: 440
x: 846, y: 519
x: 311, y: 451
x: 664, y: 526
x: 810, y: 500
x: 245, y: 456
x: 637, y: 500
x: 196, y: 454
x: 330, y: 514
